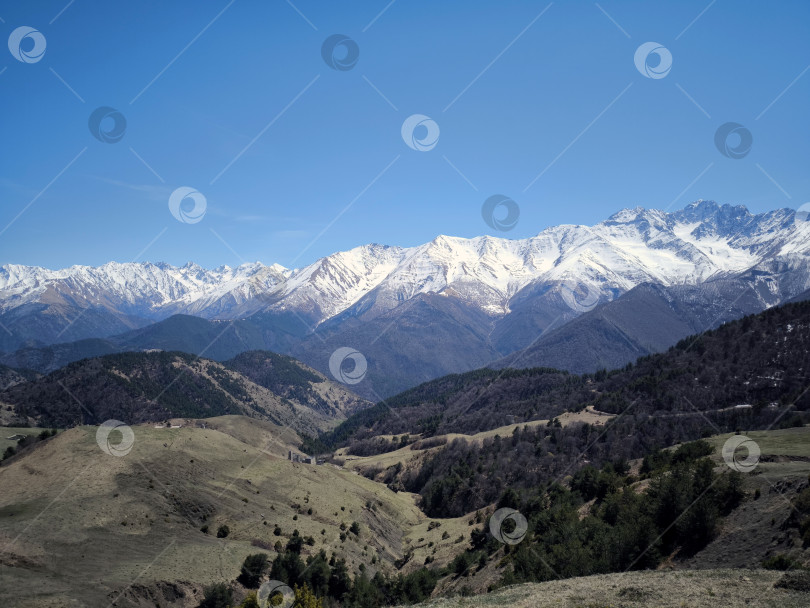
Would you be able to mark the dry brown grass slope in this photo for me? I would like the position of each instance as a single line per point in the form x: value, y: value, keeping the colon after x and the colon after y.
x: 78, y: 526
x: 678, y: 589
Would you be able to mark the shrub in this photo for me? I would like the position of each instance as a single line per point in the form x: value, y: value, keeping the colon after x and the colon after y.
x: 794, y: 581
x: 780, y: 561
x: 252, y: 570
x: 461, y: 564
x: 295, y: 543
x: 218, y: 595
x: 304, y: 598
x: 251, y: 601
x: 223, y: 531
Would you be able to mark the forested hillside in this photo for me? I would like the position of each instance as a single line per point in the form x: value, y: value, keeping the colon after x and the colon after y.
x: 154, y: 386
x: 748, y: 374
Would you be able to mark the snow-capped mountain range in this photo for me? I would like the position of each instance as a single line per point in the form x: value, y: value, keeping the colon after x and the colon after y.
x: 448, y: 306
x: 700, y: 242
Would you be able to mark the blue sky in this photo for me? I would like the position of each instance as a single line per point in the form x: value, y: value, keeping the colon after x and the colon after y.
x: 535, y: 101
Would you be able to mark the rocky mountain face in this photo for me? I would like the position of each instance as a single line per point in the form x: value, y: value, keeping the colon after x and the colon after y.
x: 446, y: 306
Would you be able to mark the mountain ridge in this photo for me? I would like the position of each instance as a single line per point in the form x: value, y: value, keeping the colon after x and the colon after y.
x: 417, y: 313
x: 154, y: 386
x: 630, y: 247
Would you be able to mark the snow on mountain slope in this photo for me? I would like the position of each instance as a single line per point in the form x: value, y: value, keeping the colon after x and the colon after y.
x: 334, y: 283
x: 143, y: 289
x: 689, y: 246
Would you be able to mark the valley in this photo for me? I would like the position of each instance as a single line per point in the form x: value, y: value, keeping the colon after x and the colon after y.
x: 396, y: 304
x: 80, y: 526
x: 461, y: 423
x: 621, y: 477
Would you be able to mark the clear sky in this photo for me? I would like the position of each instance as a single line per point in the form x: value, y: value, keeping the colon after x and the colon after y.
x: 539, y: 102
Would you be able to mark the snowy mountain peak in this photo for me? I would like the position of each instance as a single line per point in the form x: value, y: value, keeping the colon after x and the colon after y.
x: 699, y: 242
x: 626, y: 216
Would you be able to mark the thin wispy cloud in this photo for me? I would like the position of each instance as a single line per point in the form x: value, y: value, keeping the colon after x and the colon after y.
x: 153, y: 192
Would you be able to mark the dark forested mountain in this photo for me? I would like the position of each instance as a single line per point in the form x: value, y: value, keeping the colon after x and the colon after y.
x: 647, y: 319
x: 155, y: 386
x: 758, y: 360
x: 34, y: 324
x: 10, y: 376
x: 215, y: 340
x: 747, y: 374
